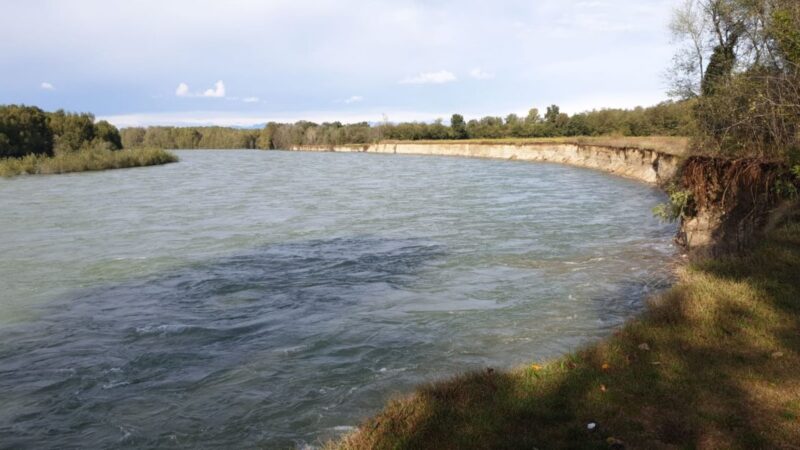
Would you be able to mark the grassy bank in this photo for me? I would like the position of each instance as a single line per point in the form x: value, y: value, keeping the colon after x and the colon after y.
x: 83, y: 161
x: 671, y: 145
x: 712, y: 364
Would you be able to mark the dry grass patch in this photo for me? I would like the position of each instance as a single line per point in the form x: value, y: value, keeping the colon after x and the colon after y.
x: 713, y: 364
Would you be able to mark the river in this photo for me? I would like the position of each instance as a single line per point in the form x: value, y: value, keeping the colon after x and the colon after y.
x: 275, y: 299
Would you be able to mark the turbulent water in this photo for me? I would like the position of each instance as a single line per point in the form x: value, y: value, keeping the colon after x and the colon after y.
x: 275, y: 299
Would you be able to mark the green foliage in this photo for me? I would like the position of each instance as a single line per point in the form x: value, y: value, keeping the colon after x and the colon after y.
x: 264, y: 140
x: 189, y: 137
x: 719, y: 68
x: 552, y: 114
x: 24, y: 131
x: 788, y: 188
x: 676, y: 207
x: 785, y: 30
x: 35, y: 142
x: 664, y: 119
x: 71, y: 132
x: 750, y: 102
x: 458, y: 127
x: 105, y: 132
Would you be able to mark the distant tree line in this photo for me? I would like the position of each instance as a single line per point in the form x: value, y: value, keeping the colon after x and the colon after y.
x: 665, y: 119
x: 189, y: 137
x: 27, y: 130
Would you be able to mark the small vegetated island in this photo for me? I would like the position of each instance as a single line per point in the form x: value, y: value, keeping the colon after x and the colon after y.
x: 36, y: 142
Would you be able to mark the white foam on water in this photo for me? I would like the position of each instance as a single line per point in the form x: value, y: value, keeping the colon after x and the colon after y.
x: 116, y: 384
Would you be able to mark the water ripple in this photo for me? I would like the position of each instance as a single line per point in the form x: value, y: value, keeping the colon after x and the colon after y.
x: 265, y: 299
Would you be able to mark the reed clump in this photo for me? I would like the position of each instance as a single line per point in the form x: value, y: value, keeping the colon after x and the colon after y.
x: 85, y: 160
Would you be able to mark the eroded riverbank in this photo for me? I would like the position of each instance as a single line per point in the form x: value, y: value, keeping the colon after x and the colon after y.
x: 649, y: 166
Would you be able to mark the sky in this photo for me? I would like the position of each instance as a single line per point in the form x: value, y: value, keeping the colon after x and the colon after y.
x: 246, y: 62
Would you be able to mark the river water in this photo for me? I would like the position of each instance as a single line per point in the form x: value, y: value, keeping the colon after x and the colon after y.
x: 275, y: 299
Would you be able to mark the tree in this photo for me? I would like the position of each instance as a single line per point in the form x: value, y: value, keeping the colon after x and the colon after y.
x: 749, y: 100
x: 552, y: 114
x: 264, y: 141
x: 71, y: 131
x: 458, y: 128
x: 24, y: 131
x: 688, y: 26
x: 533, y: 117
x: 105, y: 132
x: 785, y: 31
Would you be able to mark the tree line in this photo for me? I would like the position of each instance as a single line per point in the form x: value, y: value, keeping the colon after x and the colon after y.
x: 189, y: 137
x: 28, y: 130
x: 665, y: 119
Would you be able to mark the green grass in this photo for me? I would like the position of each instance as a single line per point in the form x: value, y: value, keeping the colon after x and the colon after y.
x: 714, y: 363
x: 86, y: 160
x: 668, y: 144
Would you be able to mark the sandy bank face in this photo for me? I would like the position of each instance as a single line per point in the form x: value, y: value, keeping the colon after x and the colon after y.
x: 648, y: 166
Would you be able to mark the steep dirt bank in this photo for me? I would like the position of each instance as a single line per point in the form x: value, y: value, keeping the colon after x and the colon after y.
x: 732, y: 203
x: 645, y: 165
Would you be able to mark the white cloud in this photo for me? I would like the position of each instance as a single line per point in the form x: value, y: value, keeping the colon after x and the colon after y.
x: 218, y: 91
x: 354, y: 99
x: 440, y: 77
x: 47, y: 86
x: 322, y: 52
x: 480, y: 74
x: 250, y: 100
x: 182, y: 90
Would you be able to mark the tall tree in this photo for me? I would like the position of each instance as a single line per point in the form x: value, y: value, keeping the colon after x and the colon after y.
x: 458, y: 128
x: 552, y: 114
x: 689, y: 26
